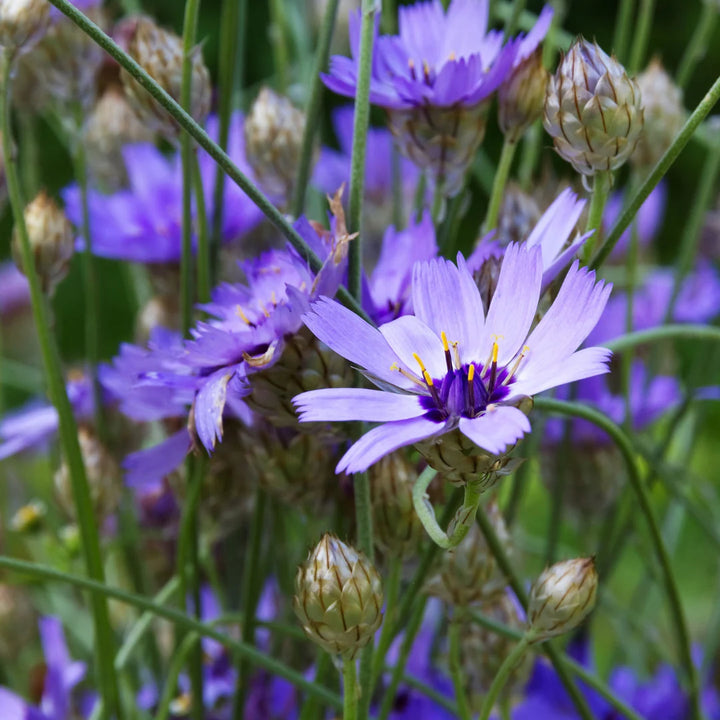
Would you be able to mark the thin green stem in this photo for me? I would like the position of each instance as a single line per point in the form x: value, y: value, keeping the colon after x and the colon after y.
x: 697, y: 47
x: 675, y: 604
x: 660, y: 169
x: 498, y: 683
x: 186, y: 122
x: 361, y: 123
x: 204, y: 260
x: 623, y: 25
x: 602, y: 183
x: 164, y: 709
x: 531, y: 152
x: 641, y: 35
x: 279, y: 45
x: 314, y: 106
x: 392, y: 591
x: 512, y: 21
x: 180, y: 619
x: 664, y: 333
x: 501, y: 177
x: 456, y: 671
x: 350, y: 690
x: 231, y: 59
x: 104, y: 642
x: 251, y: 584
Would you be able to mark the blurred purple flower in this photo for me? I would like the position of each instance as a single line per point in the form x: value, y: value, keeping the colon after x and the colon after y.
x: 14, y: 289
x: 452, y: 366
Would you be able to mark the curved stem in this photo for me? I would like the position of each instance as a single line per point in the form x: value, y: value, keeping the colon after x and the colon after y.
x: 623, y: 444
x: 204, y: 261
x: 67, y: 427
x: 464, y: 712
x: 698, y: 45
x: 180, y: 619
x: 350, y: 690
x: 498, y: 683
x: 187, y: 123
x: 641, y: 34
x: 664, y: 333
x: 623, y: 24
x: 662, y: 166
x: 314, y: 106
x: 601, y: 191
x: 501, y: 176
x: 279, y: 44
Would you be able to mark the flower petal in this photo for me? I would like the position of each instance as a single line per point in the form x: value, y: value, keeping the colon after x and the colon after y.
x: 146, y: 467
x: 343, y: 404
x: 496, y: 428
x: 408, y: 336
x: 357, y: 341
x: 383, y: 440
x: 209, y: 407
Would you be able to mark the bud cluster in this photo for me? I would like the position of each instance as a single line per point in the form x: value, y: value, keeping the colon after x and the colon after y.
x: 22, y: 23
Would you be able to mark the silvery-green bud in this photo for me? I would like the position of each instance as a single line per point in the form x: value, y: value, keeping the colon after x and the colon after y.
x: 160, y: 53
x: 102, y: 476
x: 440, y: 140
x: 468, y: 573
x: 562, y: 596
x: 273, y: 139
x: 397, y: 528
x: 593, y: 110
x: 22, y: 23
x: 338, y: 597
x: 664, y: 114
x: 51, y: 241
x: 522, y: 96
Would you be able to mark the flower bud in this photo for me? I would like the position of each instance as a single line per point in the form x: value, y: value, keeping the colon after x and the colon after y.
x: 160, y: 53
x: 22, y: 23
x: 522, y: 96
x: 29, y: 518
x: 664, y: 115
x: 468, y: 573
x: 338, y: 597
x: 51, y: 241
x: 562, y: 596
x: 102, y: 475
x: 273, y: 139
x: 397, y: 528
x: 593, y: 110
x: 440, y: 140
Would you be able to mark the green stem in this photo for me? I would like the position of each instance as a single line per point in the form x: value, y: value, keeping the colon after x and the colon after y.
x: 463, y: 520
x: 623, y: 24
x: 531, y: 152
x: 251, y: 584
x: 204, y: 261
x: 279, y: 44
x: 697, y: 47
x: 501, y: 176
x: 512, y: 21
x: 641, y: 35
x: 675, y: 604
x: 311, y: 707
x: 464, y: 712
x: 663, y: 333
x: 503, y: 561
x: 660, y: 169
x: 92, y: 321
x: 601, y: 191
x: 186, y: 122
x: 361, y: 123
x: 389, y: 17
x: 104, y: 642
x: 350, y: 690
x: 179, y: 618
x: 498, y: 683
x: 231, y: 59
x: 163, y: 711
x: 392, y: 591
x: 314, y: 106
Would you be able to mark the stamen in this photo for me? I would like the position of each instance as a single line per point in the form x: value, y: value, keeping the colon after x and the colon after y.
x: 428, y: 379
x: 411, y: 65
x: 406, y: 374
x: 426, y: 72
x: 273, y: 299
x: 515, y: 367
x: 471, y: 389
x: 446, y: 348
x: 457, y: 355
x: 419, y: 362
x: 493, y: 368
x: 452, y: 56
x: 239, y: 312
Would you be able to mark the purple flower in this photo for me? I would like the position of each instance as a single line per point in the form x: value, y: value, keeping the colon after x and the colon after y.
x: 433, y: 60
x: 143, y: 223
x: 14, y: 289
x: 451, y: 365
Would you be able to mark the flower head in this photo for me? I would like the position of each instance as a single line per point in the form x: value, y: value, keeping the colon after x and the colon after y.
x: 453, y: 366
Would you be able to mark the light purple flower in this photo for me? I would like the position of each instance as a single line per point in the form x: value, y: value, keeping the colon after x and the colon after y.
x: 452, y: 365
x: 14, y: 289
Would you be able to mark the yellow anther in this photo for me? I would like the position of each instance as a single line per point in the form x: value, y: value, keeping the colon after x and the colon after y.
x: 242, y: 315
x: 452, y: 56
x: 264, y: 310
x: 428, y: 379
x: 419, y: 362
x: 471, y: 373
x: 411, y: 64
x: 495, y: 349
x: 273, y: 298
x: 443, y: 337
x: 426, y: 69
x: 395, y: 366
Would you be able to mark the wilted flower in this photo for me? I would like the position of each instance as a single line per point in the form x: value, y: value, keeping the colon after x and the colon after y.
x: 593, y: 110
x: 453, y: 367
x: 561, y: 598
x: 159, y: 52
x: 51, y: 241
x: 22, y: 23
x: 338, y: 597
